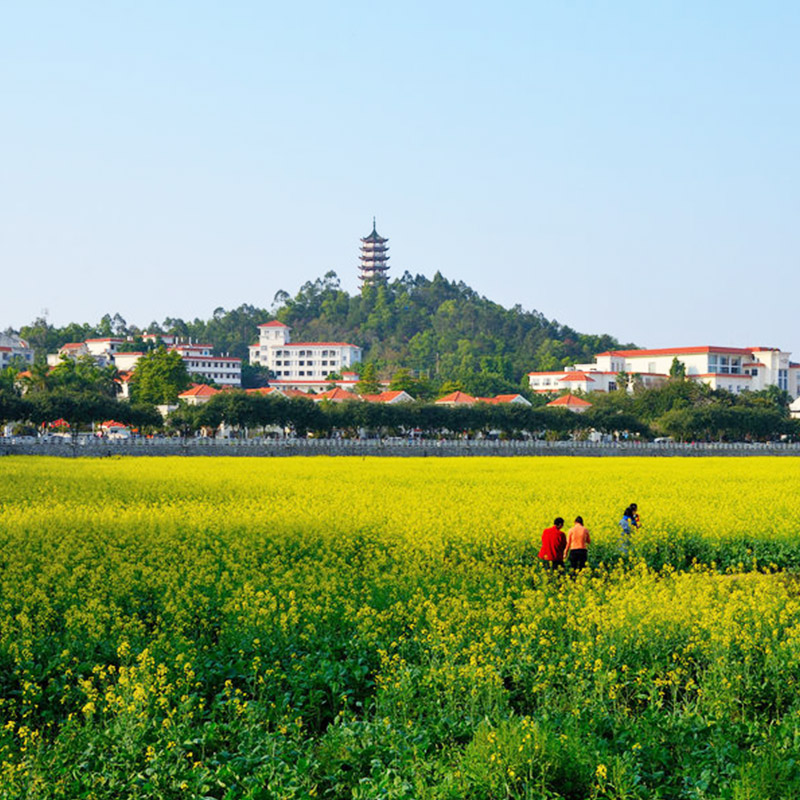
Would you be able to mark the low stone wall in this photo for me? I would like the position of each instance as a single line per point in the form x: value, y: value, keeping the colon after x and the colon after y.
x: 375, y: 447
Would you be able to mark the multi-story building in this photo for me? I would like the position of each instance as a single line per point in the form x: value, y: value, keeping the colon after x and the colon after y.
x: 737, y: 369
x: 12, y: 348
x: 300, y: 365
x: 224, y: 370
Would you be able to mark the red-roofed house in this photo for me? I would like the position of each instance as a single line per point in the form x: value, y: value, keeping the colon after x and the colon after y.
x: 736, y: 369
x: 12, y: 348
x: 502, y: 399
x: 72, y: 350
x: 457, y: 399
x: 571, y: 402
x: 274, y: 391
x: 336, y: 395
x: 389, y: 397
x: 199, y: 393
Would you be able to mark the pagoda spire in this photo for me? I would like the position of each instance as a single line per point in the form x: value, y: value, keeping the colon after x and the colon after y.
x: 374, y: 257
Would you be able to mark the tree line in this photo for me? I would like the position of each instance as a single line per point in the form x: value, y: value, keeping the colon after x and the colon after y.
x: 82, y: 393
x: 441, y: 330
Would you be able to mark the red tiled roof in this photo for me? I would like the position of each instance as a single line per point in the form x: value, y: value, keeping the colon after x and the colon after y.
x: 500, y: 398
x: 336, y: 395
x: 383, y: 397
x: 200, y: 390
x: 261, y: 390
x: 72, y: 345
x: 570, y: 400
x: 274, y: 324
x: 575, y: 376
x: 681, y: 351
x: 458, y: 397
x: 110, y: 423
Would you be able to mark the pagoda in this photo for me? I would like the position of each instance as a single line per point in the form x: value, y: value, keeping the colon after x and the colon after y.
x: 373, y: 258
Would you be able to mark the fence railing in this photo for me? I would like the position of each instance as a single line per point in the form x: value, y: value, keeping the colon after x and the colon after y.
x: 394, y: 447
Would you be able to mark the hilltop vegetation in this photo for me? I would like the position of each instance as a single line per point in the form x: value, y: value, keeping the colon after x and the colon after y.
x: 439, y: 328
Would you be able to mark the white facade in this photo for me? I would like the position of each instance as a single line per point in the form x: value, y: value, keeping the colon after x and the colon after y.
x: 733, y: 368
x: 298, y: 363
x: 103, y: 350
x: 224, y: 370
x: 125, y: 362
x: 12, y: 348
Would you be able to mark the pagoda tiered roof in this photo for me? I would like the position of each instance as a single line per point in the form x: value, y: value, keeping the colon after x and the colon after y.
x: 373, y: 256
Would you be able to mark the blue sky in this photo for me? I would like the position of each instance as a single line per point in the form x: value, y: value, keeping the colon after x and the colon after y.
x: 623, y: 167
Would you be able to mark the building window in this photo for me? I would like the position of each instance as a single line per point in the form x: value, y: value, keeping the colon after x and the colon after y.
x: 783, y: 379
x: 612, y: 386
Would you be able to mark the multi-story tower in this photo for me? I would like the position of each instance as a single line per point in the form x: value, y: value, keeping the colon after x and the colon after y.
x: 373, y: 257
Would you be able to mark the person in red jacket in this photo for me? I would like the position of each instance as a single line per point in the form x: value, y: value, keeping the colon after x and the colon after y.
x: 554, y: 542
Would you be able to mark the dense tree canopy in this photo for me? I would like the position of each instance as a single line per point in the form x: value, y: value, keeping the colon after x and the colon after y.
x: 159, y: 377
x: 442, y: 330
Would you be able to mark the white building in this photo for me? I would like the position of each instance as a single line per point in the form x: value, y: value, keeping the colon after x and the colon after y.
x: 13, y: 348
x: 733, y: 368
x: 103, y: 350
x: 125, y: 362
x: 224, y: 370
x: 299, y: 364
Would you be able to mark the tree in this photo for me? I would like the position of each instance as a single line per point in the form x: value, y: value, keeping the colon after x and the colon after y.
x: 83, y: 375
x: 677, y: 370
x: 159, y: 377
x: 184, y: 419
x: 403, y: 381
x: 368, y: 381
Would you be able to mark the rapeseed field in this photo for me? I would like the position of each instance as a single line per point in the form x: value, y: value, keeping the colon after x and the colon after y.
x: 380, y: 628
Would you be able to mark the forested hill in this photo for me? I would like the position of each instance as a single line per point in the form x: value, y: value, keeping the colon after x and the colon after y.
x: 437, y: 327
x: 440, y: 328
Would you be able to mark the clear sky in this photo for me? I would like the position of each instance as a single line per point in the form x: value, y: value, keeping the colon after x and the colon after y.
x: 623, y: 167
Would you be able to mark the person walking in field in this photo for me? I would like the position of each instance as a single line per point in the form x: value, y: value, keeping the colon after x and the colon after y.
x: 578, y: 540
x: 553, y: 544
x: 629, y: 521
